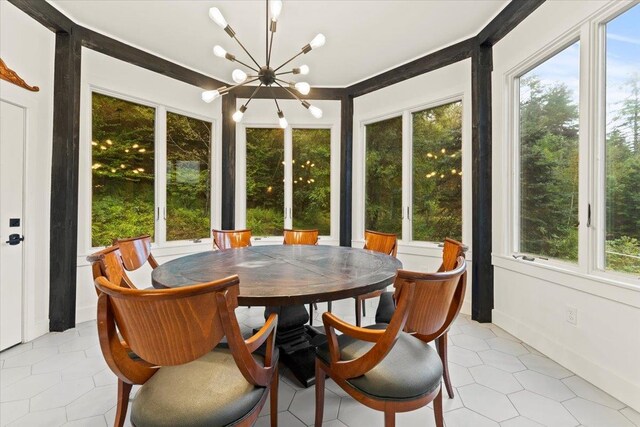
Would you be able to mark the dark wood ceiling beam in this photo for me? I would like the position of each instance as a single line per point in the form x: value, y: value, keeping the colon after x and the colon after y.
x: 431, y: 62
x: 322, y: 93
x: 45, y: 14
x: 508, y: 18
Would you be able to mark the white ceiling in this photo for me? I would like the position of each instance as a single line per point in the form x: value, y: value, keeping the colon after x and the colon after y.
x: 364, y: 38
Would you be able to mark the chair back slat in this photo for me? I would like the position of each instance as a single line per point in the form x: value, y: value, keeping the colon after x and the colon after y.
x: 450, y: 252
x: 227, y: 239
x: 386, y: 243
x: 108, y: 263
x: 436, y: 299
x: 135, y: 252
x: 301, y: 237
x: 170, y: 326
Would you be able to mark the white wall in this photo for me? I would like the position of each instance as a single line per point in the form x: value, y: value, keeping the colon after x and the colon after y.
x: 28, y: 48
x: 531, y: 299
x: 427, y: 90
x: 120, y: 79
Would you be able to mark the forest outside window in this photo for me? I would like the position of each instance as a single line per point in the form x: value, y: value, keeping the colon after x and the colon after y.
x: 548, y: 140
x: 126, y: 198
x: 622, y: 144
x: 288, y: 178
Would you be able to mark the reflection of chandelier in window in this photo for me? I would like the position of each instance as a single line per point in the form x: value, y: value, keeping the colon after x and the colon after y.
x: 265, y: 75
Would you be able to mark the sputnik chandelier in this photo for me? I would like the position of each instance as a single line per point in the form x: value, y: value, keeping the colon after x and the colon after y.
x: 266, y: 75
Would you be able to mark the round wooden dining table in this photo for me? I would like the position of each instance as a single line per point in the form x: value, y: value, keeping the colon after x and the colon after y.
x: 277, y: 275
x: 287, y: 275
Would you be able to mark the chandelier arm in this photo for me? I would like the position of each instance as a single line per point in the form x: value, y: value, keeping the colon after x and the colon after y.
x: 230, y: 88
x: 246, y: 65
x: 270, y: 47
x: 290, y: 93
x: 252, y: 95
x: 284, y: 72
x: 285, y: 82
x: 247, y: 52
x: 294, y: 57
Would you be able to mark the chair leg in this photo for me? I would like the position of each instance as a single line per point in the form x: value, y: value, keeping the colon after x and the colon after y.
x: 358, y: 312
x: 437, y: 409
x: 274, y: 399
x: 320, y: 376
x: 310, y: 314
x: 364, y: 307
x: 389, y: 419
x: 441, y: 344
x: 329, y: 306
x: 123, y: 403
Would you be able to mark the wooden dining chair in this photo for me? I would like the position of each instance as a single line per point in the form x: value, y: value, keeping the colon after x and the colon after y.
x: 304, y: 237
x: 183, y: 380
x: 136, y: 252
x: 227, y: 239
x: 442, y: 303
x: 301, y: 237
x: 381, y: 366
x: 386, y: 243
x: 108, y: 263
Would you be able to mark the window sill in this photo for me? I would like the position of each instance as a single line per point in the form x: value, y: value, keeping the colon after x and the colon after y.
x: 625, y: 292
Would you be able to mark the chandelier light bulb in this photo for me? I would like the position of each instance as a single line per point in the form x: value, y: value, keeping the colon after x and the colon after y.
x: 238, y: 76
x: 303, y: 87
x: 276, y: 9
x: 318, y: 41
x: 209, y: 95
x: 304, y: 70
x: 282, y: 121
x: 237, y: 116
x: 216, y: 16
x: 315, y: 112
x: 219, y: 51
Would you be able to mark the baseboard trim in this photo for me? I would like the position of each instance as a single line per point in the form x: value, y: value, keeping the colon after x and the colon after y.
x: 618, y: 387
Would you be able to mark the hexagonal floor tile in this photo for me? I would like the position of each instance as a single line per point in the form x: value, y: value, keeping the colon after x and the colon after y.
x: 463, y: 357
x: 464, y: 417
x: 303, y: 405
x: 591, y: 414
x: 459, y: 375
x: 544, y: 385
x: 508, y: 346
x: 487, y: 402
x: 51, y: 418
x: 29, y: 387
x: 520, y: 422
x: 495, y: 378
x: 542, y: 409
x: 98, y: 401
x: 87, y: 422
x: 285, y: 396
x: 588, y: 391
x: 469, y: 342
x: 285, y: 419
x: 355, y: 414
x: 500, y: 360
x: 545, y: 366
x: 61, y: 394
x: 11, y: 411
x: 478, y: 331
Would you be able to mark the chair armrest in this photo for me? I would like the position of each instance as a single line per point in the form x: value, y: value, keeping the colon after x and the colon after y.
x: 331, y: 321
x: 263, y: 334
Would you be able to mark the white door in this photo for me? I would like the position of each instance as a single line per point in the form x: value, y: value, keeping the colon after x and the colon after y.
x: 12, y: 134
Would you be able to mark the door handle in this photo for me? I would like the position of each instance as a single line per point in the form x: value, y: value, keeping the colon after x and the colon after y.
x: 14, y: 239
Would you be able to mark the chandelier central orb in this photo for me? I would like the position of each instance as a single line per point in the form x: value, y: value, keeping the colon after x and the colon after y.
x: 264, y: 75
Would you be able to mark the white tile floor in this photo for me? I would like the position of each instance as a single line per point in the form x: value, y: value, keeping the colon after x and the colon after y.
x: 61, y: 379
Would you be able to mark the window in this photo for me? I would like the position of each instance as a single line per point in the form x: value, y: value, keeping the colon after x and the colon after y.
x: 548, y: 139
x: 288, y: 174
x: 265, y: 181
x: 126, y: 200
x: 622, y: 146
x: 422, y: 170
x: 437, y: 173
x: 383, y: 204
x: 122, y: 170
x: 188, y: 177
x: 311, y: 173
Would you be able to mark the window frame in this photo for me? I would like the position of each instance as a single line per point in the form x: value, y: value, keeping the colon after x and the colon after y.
x: 591, y: 33
x: 241, y: 176
x: 160, y: 172
x: 409, y: 245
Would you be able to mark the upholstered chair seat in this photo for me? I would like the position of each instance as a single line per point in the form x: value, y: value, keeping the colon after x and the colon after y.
x: 210, y: 391
x: 411, y: 369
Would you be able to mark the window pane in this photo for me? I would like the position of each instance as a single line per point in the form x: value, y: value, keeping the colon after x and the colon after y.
x: 622, y: 233
x: 383, y: 208
x: 265, y: 181
x: 549, y: 157
x: 122, y: 170
x: 437, y: 173
x: 188, y: 177
x: 311, y: 179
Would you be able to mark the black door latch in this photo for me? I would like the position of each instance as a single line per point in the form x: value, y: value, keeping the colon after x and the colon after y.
x: 14, y: 239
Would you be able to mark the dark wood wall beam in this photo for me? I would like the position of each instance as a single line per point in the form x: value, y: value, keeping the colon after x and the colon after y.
x: 45, y: 14
x: 117, y: 49
x: 508, y: 18
x: 441, y: 58
x: 320, y: 93
x: 482, y: 268
x: 346, y: 169
x: 228, y: 162
x: 64, y: 182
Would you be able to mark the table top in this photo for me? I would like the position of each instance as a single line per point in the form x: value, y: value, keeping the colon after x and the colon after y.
x: 285, y: 274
